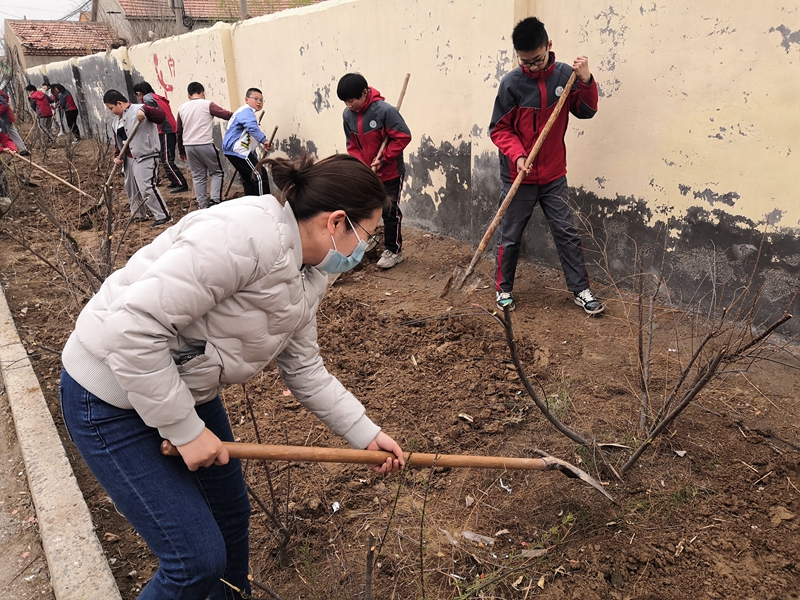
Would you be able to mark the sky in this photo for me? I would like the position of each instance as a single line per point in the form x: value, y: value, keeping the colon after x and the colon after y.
x: 48, y: 10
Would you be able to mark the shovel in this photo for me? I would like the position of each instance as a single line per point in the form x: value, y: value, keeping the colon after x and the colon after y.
x: 460, y: 274
x: 413, y: 459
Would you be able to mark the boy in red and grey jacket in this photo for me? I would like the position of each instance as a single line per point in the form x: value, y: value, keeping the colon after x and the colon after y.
x: 40, y: 103
x: 368, y: 120
x: 5, y: 145
x: 166, y: 134
x: 7, y: 118
x: 525, y: 100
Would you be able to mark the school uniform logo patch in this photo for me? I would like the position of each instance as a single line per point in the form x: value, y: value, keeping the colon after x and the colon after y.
x: 373, y: 123
x: 559, y: 91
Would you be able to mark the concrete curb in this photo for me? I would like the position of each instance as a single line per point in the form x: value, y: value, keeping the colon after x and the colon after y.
x: 78, y: 567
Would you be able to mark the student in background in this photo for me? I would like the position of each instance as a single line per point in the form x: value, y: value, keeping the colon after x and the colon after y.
x: 166, y: 133
x: 7, y: 117
x: 196, y: 143
x: 67, y: 104
x: 368, y: 120
x: 140, y: 162
x: 40, y: 103
x: 6, y: 145
x: 239, y: 144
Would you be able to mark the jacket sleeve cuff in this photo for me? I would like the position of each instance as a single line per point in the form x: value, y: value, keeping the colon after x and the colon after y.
x: 184, y: 431
x: 361, y: 433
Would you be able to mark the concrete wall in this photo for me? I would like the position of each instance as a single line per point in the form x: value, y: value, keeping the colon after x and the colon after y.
x: 690, y: 153
x: 99, y: 73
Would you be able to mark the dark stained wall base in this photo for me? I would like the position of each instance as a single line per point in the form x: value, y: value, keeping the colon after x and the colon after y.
x: 705, y: 257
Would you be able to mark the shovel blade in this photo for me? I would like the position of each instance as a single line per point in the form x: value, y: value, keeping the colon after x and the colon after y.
x: 572, y: 472
x: 462, y: 281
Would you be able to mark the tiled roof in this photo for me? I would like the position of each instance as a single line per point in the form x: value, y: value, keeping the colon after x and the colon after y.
x: 208, y: 10
x: 145, y: 8
x: 61, y: 38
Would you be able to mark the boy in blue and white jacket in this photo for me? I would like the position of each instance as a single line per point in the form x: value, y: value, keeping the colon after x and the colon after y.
x: 239, y: 144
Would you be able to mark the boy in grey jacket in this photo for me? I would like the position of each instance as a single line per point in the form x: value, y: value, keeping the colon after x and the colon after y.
x: 140, y: 162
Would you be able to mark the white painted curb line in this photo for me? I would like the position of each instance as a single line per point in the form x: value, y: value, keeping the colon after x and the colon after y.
x: 78, y: 567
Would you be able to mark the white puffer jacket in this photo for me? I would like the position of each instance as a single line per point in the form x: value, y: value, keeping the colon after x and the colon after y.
x: 225, y: 285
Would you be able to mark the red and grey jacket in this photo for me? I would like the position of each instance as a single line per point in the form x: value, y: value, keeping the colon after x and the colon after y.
x: 40, y: 103
x: 366, y: 129
x: 156, y: 101
x: 6, y: 114
x: 67, y: 102
x: 524, y: 102
x: 5, y: 142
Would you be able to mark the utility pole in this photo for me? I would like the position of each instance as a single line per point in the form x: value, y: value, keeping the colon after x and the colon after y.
x: 244, y: 9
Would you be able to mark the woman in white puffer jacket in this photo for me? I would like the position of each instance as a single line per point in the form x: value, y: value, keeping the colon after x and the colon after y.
x: 210, y: 302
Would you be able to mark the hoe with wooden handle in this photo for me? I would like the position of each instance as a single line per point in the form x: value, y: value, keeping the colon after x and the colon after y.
x: 460, y: 274
x: 413, y: 459
x: 385, y: 141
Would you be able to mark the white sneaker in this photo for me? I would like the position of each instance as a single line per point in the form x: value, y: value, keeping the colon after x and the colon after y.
x: 389, y: 259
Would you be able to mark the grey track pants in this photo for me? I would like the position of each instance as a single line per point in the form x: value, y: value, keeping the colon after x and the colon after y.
x: 46, y: 124
x: 552, y: 197
x: 140, y: 185
x: 205, y: 162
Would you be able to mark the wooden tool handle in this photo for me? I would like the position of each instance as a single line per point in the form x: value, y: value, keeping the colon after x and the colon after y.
x: 368, y: 457
x: 385, y: 141
x: 53, y: 175
x: 528, y: 162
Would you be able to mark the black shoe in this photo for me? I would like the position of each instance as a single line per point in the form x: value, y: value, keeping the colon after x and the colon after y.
x: 213, y: 202
x: 24, y: 153
x: 590, y: 304
x: 179, y: 190
x: 161, y: 222
x: 140, y: 218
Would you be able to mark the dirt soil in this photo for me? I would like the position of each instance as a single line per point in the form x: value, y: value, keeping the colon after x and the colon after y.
x: 710, y: 510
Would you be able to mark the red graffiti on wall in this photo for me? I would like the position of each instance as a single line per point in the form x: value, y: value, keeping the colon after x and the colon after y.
x: 167, y: 87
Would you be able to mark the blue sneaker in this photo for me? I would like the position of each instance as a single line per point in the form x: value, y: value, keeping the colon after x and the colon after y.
x: 505, y: 299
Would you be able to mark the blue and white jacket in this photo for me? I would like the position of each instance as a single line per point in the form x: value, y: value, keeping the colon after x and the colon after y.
x: 242, y: 130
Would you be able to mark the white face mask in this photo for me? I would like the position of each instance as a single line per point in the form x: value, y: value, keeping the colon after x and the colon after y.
x: 336, y: 262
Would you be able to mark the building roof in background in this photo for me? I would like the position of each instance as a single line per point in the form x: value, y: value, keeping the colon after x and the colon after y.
x: 208, y: 10
x: 61, y: 38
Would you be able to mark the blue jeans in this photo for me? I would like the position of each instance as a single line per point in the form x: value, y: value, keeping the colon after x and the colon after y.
x: 195, y: 523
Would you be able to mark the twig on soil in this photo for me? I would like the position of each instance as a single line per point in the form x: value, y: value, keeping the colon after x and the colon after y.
x: 422, y: 528
x: 265, y: 588
x: 21, y: 571
x: 370, y: 563
x: 402, y: 479
x: 284, y: 535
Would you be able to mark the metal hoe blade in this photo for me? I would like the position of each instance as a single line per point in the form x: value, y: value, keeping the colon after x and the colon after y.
x: 572, y: 472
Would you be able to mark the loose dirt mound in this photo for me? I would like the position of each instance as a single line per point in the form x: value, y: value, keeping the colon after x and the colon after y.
x: 710, y: 510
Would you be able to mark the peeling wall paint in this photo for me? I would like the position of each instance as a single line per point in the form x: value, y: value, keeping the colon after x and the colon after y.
x: 691, y: 151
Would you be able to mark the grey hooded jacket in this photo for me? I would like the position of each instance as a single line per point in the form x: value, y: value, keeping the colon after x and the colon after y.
x: 146, y: 142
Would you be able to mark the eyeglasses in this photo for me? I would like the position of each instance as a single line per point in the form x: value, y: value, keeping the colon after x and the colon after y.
x: 259, y: 100
x: 537, y: 62
x: 371, y: 239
